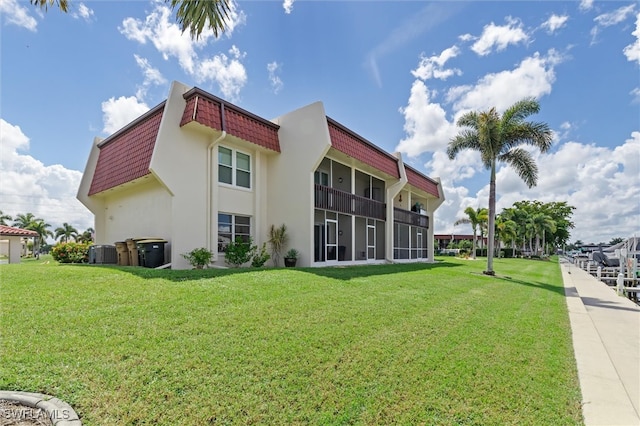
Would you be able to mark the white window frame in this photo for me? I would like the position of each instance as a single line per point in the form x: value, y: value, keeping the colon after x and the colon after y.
x: 235, y: 168
x: 233, y: 228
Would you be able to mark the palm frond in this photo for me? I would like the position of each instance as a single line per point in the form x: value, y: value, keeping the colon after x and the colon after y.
x: 44, y: 4
x: 194, y: 15
x: 524, y: 165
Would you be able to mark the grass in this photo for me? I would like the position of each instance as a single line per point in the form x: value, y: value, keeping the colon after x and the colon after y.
x: 433, y: 344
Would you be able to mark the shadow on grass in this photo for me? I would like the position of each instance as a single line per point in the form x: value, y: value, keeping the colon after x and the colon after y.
x: 535, y: 284
x: 335, y: 272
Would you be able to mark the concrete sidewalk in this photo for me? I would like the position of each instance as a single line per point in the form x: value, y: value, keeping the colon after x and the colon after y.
x: 606, y: 343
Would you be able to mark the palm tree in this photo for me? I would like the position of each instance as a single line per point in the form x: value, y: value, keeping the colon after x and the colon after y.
x: 194, y: 15
x: 506, y: 229
x: 86, y: 236
x: 498, y: 139
x: 542, y: 223
x: 23, y: 220
x: 65, y: 232
x: 4, y: 218
x: 475, y: 218
x: 40, y: 226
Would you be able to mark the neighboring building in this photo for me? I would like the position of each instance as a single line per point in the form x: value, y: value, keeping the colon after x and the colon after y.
x: 13, y: 242
x: 198, y: 171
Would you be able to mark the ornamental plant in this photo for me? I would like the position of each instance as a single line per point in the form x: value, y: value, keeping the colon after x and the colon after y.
x: 239, y: 252
x: 71, y: 252
x: 198, y: 257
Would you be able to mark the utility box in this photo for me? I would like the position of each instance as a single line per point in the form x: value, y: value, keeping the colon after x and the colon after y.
x: 151, y: 252
x: 103, y: 255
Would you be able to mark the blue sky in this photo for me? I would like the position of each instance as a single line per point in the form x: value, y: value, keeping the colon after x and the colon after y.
x: 397, y: 73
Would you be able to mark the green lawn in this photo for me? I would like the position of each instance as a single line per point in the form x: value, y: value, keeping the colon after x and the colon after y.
x: 393, y: 344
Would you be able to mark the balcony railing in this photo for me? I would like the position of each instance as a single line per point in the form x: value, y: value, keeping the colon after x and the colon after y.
x: 410, y: 218
x: 328, y: 198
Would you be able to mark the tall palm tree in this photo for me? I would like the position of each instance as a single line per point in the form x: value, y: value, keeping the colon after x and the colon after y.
x: 4, y: 218
x: 541, y: 224
x: 506, y: 230
x: 498, y: 139
x: 193, y: 15
x: 40, y: 226
x: 65, y: 232
x: 23, y: 220
x: 475, y: 218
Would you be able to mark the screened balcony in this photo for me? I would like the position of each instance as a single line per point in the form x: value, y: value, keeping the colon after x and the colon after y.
x: 332, y: 199
x: 410, y: 218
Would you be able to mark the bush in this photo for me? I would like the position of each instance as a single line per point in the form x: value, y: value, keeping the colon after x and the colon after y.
x: 260, y: 257
x: 239, y: 252
x: 199, y: 257
x: 71, y: 252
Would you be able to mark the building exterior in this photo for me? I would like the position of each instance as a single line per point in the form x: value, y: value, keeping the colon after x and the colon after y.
x: 198, y: 171
x: 12, y: 242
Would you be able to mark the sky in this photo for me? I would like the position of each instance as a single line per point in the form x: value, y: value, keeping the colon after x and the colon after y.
x: 398, y: 73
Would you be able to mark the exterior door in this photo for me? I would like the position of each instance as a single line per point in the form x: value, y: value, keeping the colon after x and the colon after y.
x: 371, y: 241
x: 331, y: 227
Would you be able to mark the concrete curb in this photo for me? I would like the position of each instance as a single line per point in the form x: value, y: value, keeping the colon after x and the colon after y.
x: 60, y: 413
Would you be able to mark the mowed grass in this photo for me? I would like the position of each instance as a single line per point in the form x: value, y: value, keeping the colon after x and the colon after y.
x: 436, y: 344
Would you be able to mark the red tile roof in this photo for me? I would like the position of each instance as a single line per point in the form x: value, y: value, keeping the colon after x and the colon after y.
x: 10, y: 231
x: 213, y: 112
x: 421, y: 181
x: 126, y: 155
x: 355, y: 146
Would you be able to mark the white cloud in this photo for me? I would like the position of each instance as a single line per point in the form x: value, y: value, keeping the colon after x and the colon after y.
x: 228, y: 72
x: 433, y: 66
x: 499, y: 37
x: 29, y: 186
x: 632, y: 51
x: 119, y: 112
x: 83, y: 13
x: 532, y: 78
x: 276, y: 83
x: 612, y: 18
x: 615, y: 17
x: 426, y: 124
x: 586, y: 5
x: 555, y: 22
x: 16, y: 14
x: 636, y: 95
x: 152, y: 76
x: 288, y: 6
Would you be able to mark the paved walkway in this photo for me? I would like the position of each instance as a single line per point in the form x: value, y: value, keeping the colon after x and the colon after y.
x: 606, y: 342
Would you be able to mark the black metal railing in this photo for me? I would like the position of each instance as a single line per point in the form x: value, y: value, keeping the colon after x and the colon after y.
x: 410, y: 218
x: 328, y: 198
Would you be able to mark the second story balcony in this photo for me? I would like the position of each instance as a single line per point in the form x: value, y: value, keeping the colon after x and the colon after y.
x: 410, y: 218
x: 332, y: 199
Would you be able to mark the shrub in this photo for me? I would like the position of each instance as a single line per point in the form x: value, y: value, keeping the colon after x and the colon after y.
x: 260, y: 257
x: 71, y: 252
x: 199, y: 257
x: 239, y: 252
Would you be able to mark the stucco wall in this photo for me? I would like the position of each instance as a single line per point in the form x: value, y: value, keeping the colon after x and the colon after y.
x: 304, y: 141
x: 141, y: 211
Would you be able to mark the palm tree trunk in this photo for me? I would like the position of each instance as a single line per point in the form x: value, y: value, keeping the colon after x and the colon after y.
x: 492, y: 219
x: 473, y: 256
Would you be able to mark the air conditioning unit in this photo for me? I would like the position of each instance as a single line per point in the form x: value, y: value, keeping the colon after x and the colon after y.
x: 104, y: 255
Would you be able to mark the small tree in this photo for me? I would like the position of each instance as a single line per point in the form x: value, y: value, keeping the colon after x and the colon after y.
x: 278, y: 239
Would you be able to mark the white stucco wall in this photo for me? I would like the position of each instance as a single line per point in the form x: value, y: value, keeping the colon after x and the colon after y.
x: 141, y: 211
x: 304, y: 141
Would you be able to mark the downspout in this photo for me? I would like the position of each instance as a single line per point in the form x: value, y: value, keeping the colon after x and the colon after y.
x: 392, y: 192
x: 209, y: 183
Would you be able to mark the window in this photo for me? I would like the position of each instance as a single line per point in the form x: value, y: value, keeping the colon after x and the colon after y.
x: 231, y: 227
x: 321, y: 178
x: 230, y: 160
